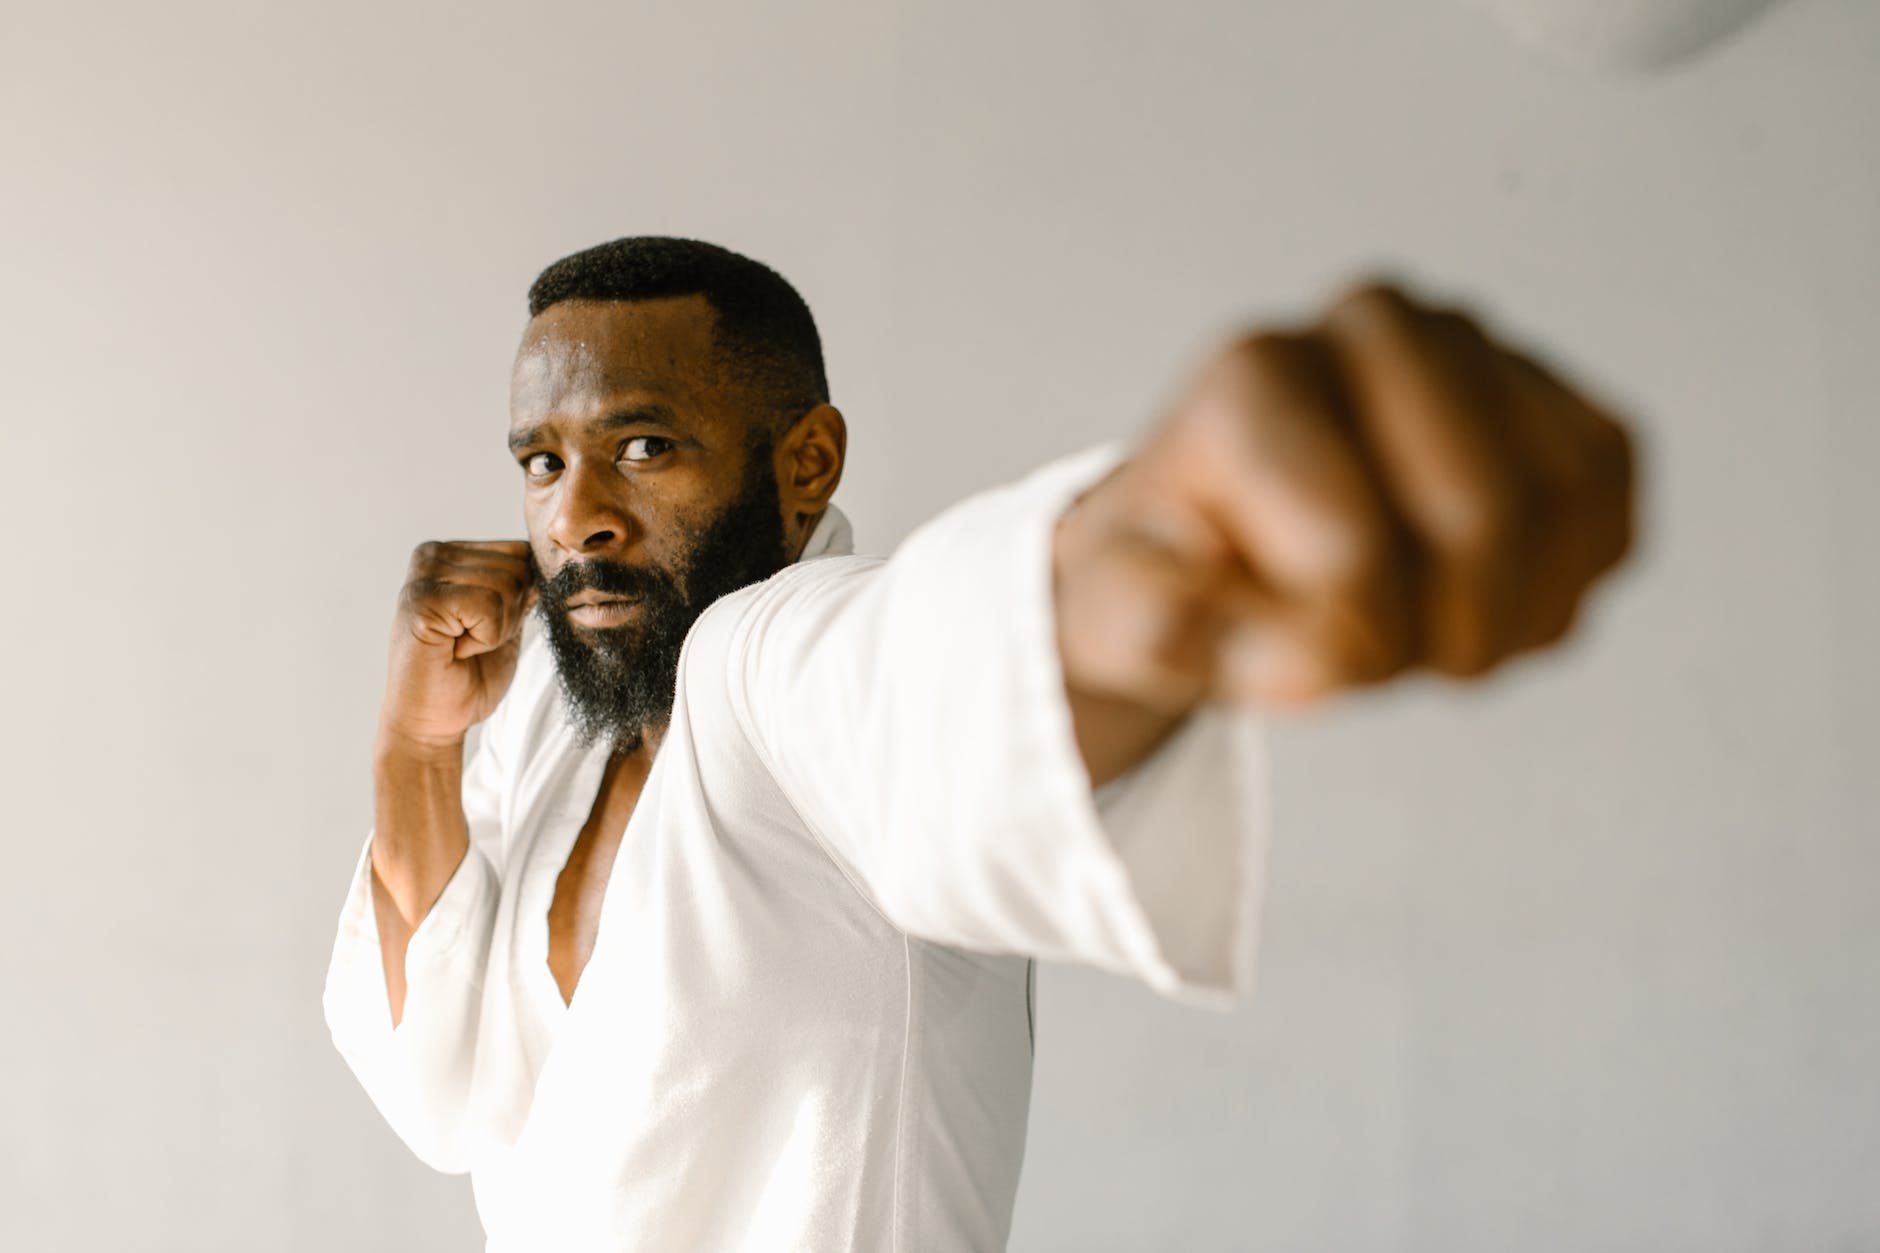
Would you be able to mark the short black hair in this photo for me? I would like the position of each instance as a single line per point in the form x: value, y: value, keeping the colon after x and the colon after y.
x: 765, y: 335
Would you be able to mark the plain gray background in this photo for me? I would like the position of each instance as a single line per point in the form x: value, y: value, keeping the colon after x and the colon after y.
x: 1586, y: 960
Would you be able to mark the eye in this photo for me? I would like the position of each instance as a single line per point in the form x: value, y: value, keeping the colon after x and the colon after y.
x: 540, y: 464
x: 644, y: 447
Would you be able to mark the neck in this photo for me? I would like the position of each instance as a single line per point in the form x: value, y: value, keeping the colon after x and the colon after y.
x: 642, y: 741
x: 805, y: 527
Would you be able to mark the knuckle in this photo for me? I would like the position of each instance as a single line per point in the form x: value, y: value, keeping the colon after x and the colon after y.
x: 1482, y: 524
x: 1251, y: 372
x: 1458, y: 332
x: 414, y: 597
x: 1373, y: 301
x: 429, y: 557
x: 420, y: 588
x: 443, y: 594
x: 1264, y: 349
x: 1349, y: 554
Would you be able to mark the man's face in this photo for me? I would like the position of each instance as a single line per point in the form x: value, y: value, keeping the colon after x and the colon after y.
x: 646, y: 495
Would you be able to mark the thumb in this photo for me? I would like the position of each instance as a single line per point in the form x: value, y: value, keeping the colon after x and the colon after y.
x: 1271, y: 662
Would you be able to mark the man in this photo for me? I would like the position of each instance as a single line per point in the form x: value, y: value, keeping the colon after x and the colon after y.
x: 721, y: 939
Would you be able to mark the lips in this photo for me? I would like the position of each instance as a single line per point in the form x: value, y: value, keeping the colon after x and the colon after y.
x: 599, y: 610
x: 594, y: 596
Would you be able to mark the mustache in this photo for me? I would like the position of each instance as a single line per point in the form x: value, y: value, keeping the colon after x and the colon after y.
x: 612, y: 577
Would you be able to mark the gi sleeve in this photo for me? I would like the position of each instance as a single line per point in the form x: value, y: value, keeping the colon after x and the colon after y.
x: 419, y: 1073
x: 913, y: 712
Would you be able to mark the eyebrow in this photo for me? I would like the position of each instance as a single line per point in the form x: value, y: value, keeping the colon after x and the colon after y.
x: 639, y: 415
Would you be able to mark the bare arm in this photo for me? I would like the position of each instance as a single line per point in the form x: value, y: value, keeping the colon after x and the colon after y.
x: 455, y: 639
x: 419, y: 839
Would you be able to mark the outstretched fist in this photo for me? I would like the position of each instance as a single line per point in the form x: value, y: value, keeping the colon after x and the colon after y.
x: 1388, y: 489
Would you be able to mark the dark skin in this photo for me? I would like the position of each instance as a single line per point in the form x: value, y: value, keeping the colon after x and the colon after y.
x: 627, y: 432
x: 628, y: 435
x: 1385, y: 490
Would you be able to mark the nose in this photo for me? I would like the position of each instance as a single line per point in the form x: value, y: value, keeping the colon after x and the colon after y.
x: 588, y: 516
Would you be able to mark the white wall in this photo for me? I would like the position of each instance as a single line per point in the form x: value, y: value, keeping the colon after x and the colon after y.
x: 1586, y: 961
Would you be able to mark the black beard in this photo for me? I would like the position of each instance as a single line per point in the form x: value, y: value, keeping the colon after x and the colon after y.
x: 619, y: 682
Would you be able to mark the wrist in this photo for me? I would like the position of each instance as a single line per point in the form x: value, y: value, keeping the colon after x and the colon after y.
x: 1114, y: 735
x: 1123, y: 636
x: 396, y: 749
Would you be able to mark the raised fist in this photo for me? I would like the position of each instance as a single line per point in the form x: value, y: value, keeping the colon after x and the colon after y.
x: 455, y: 638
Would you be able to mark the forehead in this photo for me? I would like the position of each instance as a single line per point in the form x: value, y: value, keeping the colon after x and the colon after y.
x: 579, y: 357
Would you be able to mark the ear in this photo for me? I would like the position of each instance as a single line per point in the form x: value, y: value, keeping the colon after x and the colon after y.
x: 809, y: 467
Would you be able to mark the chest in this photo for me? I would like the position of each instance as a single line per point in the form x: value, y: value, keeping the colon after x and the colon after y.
x: 574, y: 909
x: 691, y: 892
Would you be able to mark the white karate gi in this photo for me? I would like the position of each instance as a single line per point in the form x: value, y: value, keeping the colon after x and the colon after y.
x: 806, y: 1024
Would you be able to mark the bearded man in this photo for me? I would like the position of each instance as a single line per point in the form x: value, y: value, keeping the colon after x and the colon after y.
x: 723, y: 936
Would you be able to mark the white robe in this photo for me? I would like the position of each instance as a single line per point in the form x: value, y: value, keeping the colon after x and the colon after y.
x: 807, y: 1020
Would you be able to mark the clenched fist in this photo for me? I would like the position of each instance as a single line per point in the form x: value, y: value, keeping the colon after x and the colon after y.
x: 1385, y: 490
x: 455, y: 638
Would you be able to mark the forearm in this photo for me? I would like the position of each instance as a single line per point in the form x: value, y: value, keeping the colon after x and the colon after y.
x: 419, y: 839
x: 1095, y: 626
